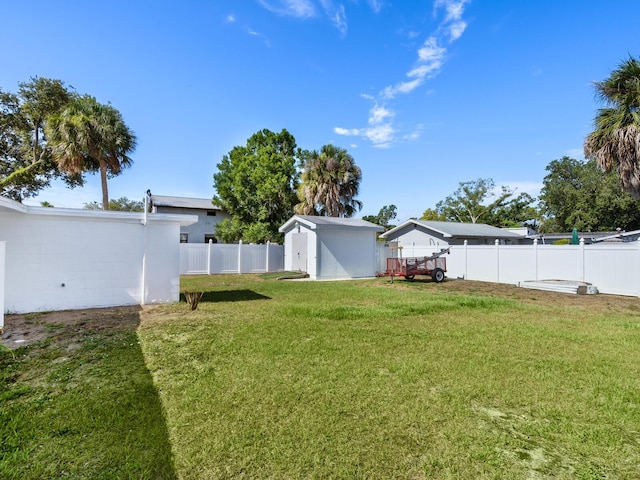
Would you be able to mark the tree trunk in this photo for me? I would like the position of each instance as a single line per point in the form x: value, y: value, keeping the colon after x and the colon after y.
x: 103, y: 180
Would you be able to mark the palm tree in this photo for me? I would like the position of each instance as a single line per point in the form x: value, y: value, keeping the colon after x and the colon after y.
x: 330, y: 181
x: 88, y: 136
x: 615, y: 141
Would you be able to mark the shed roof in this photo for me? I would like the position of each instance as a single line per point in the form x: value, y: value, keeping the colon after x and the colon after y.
x: 457, y: 229
x: 316, y: 223
x: 183, y: 202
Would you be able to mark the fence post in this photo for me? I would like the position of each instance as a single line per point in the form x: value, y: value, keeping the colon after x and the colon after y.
x: 582, y: 259
x: 267, y: 249
x: 638, y: 270
x: 535, y: 257
x: 209, y: 257
x: 466, y: 260
x: 497, y: 244
x: 240, y: 256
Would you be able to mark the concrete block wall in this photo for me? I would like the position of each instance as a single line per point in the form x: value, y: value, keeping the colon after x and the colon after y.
x: 69, y: 260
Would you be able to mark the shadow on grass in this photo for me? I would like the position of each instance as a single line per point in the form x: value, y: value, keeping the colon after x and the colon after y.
x: 103, y: 415
x: 232, y: 296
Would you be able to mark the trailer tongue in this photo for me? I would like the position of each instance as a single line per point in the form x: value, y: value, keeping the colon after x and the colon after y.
x: 434, y: 266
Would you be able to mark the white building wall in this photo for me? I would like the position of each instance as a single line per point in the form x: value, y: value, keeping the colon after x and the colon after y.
x: 410, y: 236
x: 57, y: 262
x: 2, y: 253
x: 346, y: 254
x: 162, y: 263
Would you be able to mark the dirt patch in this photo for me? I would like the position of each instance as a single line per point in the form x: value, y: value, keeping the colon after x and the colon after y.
x: 68, y: 326
x: 597, y: 302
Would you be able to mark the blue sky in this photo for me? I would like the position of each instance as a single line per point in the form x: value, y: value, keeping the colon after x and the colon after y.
x: 423, y: 94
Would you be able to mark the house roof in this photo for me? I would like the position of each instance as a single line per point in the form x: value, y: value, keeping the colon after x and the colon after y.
x: 183, y: 202
x: 317, y: 223
x: 457, y: 229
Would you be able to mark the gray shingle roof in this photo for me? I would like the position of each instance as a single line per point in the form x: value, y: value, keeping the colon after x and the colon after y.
x: 183, y: 202
x: 468, y: 229
x: 458, y: 230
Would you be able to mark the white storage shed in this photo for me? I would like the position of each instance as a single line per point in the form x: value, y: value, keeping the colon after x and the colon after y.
x: 58, y: 259
x: 330, y: 248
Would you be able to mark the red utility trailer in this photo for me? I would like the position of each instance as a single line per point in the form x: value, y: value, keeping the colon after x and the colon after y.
x: 434, y: 266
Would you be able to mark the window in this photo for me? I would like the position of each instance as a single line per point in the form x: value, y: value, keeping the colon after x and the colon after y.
x: 208, y: 237
x: 211, y: 213
x: 184, y: 237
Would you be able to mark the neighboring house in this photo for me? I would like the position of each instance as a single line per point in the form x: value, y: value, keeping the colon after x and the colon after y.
x: 428, y: 232
x: 588, y: 237
x: 209, y: 215
x: 329, y: 247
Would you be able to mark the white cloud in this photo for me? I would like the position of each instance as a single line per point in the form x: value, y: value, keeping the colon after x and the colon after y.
x: 230, y: 18
x: 454, y: 8
x: 339, y: 19
x: 376, y: 5
x: 346, y: 131
x: 253, y: 33
x: 293, y: 8
x: 380, y: 135
x: 430, y: 51
x: 431, y: 56
x: 402, y: 87
x: 456, y: 30
x: 377, y: 114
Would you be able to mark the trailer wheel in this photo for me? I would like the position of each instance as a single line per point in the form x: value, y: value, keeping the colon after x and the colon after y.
x: 410, y: 277
x: 437, y: 275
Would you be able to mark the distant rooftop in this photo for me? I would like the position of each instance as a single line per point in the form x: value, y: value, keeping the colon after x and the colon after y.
x: 457, y: 229
x: 183, y: 202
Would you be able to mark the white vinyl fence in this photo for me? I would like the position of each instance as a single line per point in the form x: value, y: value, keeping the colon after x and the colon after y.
x: 211, y: 258
x: 613, y: 268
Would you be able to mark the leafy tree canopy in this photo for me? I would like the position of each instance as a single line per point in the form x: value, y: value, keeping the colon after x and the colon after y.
x: 578, y: 194
x: 384, y: 216
x: 433, y: 214
x: 26, y: 163
x: 256, y: 184
x: 330, y: 183
x: 615, y: 141
x: 122, y: 204
x: 88, y: 136
x: 478, y: 201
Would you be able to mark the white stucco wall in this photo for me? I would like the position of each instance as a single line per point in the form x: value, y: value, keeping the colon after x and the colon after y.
x: 57, y: 260
x: 2, y: 253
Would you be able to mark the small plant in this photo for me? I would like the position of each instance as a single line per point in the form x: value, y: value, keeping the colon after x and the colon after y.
x: 7, y: 349
x: 193, y: 298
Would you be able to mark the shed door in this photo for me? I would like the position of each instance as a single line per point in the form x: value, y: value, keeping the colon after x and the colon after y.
x: 299, y: 251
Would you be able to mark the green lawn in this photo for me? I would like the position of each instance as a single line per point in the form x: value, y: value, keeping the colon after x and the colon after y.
x: 352, y: 379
